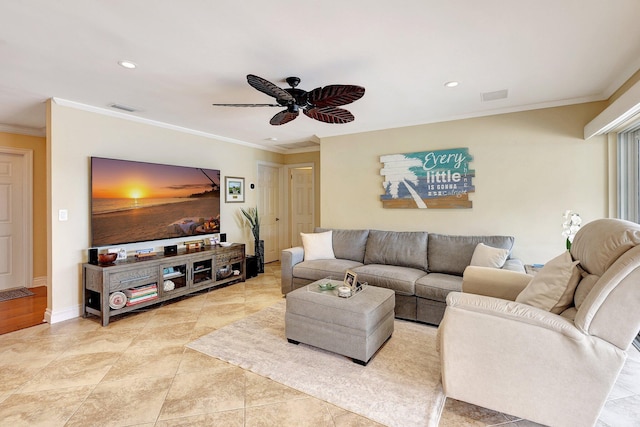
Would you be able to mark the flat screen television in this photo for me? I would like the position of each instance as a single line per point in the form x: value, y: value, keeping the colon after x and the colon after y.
x: 137, y: 202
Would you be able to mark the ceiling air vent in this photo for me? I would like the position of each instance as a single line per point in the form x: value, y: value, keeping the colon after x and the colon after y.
x: 123, y: 108
x: 494, y: 96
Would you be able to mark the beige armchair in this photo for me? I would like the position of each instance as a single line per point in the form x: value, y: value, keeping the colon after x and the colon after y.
x: 554, y: 362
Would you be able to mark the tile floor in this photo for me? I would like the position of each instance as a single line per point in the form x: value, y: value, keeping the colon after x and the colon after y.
x: 137, y: 372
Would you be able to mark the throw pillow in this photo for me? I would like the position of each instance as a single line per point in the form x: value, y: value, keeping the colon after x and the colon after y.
x: 488, y: 256
x: 553, y: 287
x: 318, y: 245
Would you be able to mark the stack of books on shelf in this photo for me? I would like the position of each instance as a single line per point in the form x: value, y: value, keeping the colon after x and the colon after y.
x: 141, y: 294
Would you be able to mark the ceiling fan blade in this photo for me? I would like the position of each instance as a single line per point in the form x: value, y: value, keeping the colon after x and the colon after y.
x: 247, y: 105
x: 335, y: 95
x: 330, y: 115
x: 269, y: 88
x: 283, y: 117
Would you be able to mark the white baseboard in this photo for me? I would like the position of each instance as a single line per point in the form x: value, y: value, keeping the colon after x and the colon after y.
x: 58, y: 315
x: 62, y: 315
x: 39, y: 281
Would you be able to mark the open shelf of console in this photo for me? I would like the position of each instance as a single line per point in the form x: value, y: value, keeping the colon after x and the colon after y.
x: 138, y: 283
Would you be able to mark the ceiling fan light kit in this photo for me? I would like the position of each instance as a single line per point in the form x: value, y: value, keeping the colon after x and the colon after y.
x: 319, y: 104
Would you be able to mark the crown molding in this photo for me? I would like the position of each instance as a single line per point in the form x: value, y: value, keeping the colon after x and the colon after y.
x: 23, y: 130
x: 131, y: 117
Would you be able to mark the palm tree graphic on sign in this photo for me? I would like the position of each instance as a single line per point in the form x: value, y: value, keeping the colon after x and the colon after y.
x: 398, y: 171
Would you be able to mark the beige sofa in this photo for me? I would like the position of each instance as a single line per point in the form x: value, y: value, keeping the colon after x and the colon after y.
x: 552, y: 355
x: 422, y: 268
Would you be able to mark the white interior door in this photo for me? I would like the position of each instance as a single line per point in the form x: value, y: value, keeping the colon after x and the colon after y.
x: 269, y: 210
x: 302, y: 196
x: 15, y: 219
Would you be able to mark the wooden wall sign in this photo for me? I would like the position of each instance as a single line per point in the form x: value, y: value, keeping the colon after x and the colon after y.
x: 438, y: 179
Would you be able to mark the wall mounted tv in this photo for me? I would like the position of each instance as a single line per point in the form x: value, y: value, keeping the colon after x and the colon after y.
x: 137, y: 201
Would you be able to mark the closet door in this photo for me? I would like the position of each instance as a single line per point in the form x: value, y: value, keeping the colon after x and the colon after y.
x: 15, y: 219
x: 269, y: 208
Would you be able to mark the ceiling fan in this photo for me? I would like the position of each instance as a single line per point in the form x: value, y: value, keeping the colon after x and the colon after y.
x: 320, y: 104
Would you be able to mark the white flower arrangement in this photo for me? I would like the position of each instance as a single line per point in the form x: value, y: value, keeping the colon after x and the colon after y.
x: 570, y: 226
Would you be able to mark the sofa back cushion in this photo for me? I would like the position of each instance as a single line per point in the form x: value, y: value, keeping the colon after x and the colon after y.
x: 401, y: 248
x: 585, y: 286
x: 348, y: 244
x: 598, y: 244
x: 609, y: 249
x: 452, y: 254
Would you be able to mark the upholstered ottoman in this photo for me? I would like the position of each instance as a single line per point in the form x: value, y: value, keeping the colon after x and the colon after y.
x: 355, y: 327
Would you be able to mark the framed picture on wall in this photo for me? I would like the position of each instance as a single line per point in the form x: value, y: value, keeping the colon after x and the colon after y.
x: 233, y: 189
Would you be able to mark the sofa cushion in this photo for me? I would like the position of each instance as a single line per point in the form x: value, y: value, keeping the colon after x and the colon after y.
x: 323, y: 268
x: 400, y: 279
x: 488, y: 256
x: 317, y: 245
x: 570, y: 313
x: 553, y: 287
x: 614, y: 238
x: 400, y: 248
x: 584, y: 287
x: 452, y: 254
x: 436, y: 286
x: 348, y: 244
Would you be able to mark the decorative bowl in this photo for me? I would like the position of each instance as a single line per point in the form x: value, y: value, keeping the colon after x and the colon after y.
x: 107, y: 258
x: 344, y: 291
x: 224, y: 272
x: 327, y: 286
x: 225, y: 244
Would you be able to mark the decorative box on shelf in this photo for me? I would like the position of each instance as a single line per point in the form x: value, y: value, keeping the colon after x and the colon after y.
x: 194, y: 244
x: 145, y: 253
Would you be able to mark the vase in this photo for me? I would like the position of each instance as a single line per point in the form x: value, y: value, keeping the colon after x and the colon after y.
x: 259, y: 249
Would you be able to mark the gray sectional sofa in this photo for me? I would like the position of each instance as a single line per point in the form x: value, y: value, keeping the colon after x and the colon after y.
x: 422, y: 268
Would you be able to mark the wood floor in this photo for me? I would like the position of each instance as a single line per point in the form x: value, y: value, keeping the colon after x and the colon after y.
x: 23, y: 312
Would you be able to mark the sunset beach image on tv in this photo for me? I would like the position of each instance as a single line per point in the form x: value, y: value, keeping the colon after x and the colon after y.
x: 137, y: 201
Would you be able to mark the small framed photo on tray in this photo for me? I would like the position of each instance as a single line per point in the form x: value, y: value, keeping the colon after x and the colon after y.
x: 350, y: 279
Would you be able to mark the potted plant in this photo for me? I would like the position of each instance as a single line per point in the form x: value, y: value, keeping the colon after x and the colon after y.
x: 252, y: 219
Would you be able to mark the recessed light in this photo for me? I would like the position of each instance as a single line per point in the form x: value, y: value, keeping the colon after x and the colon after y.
x: 452, y: 83
x: 127, y: 64
x: 273, y: 138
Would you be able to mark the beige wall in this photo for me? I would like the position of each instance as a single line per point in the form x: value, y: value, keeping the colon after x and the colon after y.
x: 37, y: 145
x: 530, y: 167
x: 76, y: 135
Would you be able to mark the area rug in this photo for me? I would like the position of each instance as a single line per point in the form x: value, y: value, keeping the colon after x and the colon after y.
x: 14, y: 293
x: 399, y: 387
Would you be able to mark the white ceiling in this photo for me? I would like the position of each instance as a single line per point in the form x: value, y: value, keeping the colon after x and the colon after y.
x: 192, y: 53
